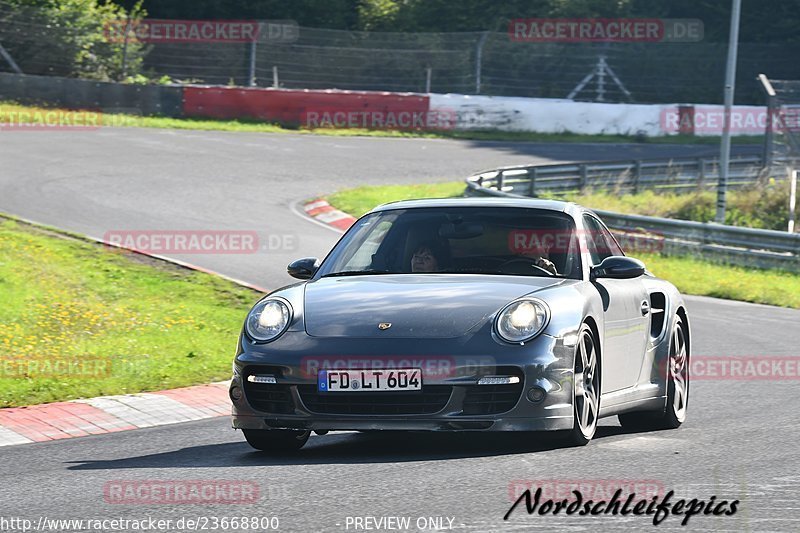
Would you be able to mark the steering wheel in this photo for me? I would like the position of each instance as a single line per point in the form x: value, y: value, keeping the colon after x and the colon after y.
x: 528, y: 262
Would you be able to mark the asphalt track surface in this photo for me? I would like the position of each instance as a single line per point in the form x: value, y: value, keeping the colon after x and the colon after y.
x: 740, y: 441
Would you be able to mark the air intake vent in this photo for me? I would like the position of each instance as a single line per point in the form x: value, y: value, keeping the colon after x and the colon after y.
x: 658, y: 306
x: 493, y: 399
x: 432, y: 399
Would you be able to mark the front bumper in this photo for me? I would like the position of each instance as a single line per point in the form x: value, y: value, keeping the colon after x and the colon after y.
x: 451, y: 398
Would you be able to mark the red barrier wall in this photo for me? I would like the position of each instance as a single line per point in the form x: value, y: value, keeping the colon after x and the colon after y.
x: 302, y: 107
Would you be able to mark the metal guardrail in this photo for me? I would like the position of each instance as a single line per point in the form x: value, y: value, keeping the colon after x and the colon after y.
x: 675, y: 175
x: 734, y: 245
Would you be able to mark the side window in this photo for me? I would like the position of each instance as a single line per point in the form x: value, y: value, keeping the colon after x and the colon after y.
x: 599, y: 241
x: 362, y: 259
x: 613, y: 247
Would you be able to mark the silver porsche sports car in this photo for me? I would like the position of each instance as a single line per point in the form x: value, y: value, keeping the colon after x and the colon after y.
x: 464, y: 315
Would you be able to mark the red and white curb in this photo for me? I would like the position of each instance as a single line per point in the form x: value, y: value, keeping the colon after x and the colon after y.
x: 108, y: 414
x: 321, y: 211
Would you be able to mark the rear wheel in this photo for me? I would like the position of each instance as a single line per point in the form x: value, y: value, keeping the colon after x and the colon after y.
x: 674, y: 413
x: 586, y: 389
x: 276, y: 440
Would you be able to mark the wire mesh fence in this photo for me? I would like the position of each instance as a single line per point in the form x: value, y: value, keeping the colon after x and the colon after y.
x: 783, y: 127
x: 489, y: 63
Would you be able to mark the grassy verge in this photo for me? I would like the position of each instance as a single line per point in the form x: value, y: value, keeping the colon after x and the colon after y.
x: 764, y: 206
x: 15, y: 114
x: 760, y: 206
x: 80, y: 320
x: 361, y: 199
x: 691, y: 276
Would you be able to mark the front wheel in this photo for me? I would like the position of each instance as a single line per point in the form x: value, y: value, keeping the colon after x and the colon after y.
x: 586, y: 389
x: 674, y: 413
x: 276, y: 440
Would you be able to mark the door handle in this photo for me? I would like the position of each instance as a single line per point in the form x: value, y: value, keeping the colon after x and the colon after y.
x: 645, y: 308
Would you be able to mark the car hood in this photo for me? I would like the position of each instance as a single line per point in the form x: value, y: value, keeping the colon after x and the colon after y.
x: 419, y: 306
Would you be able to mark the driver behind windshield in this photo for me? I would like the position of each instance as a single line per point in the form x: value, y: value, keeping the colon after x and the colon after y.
x: 538, y: 256
x: 541, y: 261
x: 430, y: 256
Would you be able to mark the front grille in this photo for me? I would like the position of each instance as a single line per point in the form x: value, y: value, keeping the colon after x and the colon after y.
x: 269, y: 398
x: 493, y: 399
x: 432, y: 399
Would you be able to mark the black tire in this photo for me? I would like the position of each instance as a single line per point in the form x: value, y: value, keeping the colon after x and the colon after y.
x: 276, y: 440
x: 677, y: 376
x: 586, y: 389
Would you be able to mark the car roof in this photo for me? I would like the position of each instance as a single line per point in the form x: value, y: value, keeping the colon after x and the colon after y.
x: 529, y: 203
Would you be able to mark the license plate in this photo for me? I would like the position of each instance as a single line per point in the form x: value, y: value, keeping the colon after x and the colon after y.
x: 400, y: 379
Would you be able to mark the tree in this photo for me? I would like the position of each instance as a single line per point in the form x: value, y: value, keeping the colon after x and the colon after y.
x: 68, y: 37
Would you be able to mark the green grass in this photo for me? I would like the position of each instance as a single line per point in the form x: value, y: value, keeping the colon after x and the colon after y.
x: 361, y: 199
x: 759, y: 206
x: 9, y: 114
x: 764, y: 206
x: 141, y: 324
x: 691, y: 276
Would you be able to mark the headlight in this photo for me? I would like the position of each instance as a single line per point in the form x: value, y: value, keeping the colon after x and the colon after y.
x: 268, y: 319
x: 522, y: 320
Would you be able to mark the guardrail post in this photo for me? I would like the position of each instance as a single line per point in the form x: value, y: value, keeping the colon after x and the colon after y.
x: 583, y: 176
x: 532, y: 178
x: 251, y: 76
x: 792, y: 200
x: 637, y: 174
x: 769, y: 133
x: 701, y: 172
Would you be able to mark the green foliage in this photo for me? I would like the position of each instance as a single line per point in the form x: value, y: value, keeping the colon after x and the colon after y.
x: 760, y: 206
x: 763, y: 205
x: 776, y: 24
x: 70, y: 37
x: 310, y: 13
x: 141, y: 79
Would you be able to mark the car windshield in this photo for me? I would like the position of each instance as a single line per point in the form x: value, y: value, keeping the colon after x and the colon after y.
x: 458, y: 240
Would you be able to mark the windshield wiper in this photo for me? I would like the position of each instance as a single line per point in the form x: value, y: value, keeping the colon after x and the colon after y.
x: 354, y: 273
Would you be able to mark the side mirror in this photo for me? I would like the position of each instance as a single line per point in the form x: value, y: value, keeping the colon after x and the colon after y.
x: 618, y: 267
x: 303, y: 268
